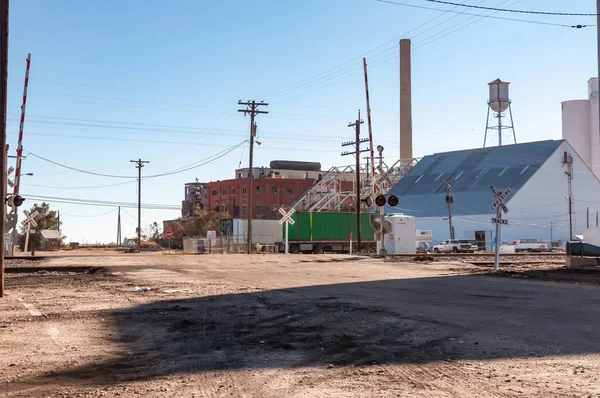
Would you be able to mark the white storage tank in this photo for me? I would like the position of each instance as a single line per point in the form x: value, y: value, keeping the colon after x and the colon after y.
x: 403, y: 238
x: 499, y: 99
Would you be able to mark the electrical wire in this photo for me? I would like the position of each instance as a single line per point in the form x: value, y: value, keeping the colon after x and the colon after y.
x: 102, y: 203
x: 335, y: 72
x: 508, y: 10
x: 90, y: 216
x: 85, y: 187
x: 175, y: 171
x: 76, y: 169
x: 485, y: 16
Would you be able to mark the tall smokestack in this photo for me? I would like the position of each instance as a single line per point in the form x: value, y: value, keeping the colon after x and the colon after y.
x: 406, y: 149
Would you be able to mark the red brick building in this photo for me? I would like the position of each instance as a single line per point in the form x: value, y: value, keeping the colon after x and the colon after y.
x: 269, y: 195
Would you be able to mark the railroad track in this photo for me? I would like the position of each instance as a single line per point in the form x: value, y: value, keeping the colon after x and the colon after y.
x: 479, y: 254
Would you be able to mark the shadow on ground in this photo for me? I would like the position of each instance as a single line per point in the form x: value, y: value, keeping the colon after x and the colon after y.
x: 379, y: 322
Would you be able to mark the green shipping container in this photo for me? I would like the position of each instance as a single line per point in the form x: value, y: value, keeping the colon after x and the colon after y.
x: 324, y: 226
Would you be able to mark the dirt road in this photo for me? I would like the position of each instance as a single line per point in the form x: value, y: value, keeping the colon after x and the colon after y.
x: 294, y: 326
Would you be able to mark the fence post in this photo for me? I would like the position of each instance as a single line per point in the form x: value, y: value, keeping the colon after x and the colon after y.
x: 350, y: 242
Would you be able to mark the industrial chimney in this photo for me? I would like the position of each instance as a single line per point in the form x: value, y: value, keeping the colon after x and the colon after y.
x: 406, y: 149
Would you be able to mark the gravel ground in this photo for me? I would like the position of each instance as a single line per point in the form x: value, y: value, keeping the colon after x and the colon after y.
x: 17, y: 263
x: 294, y: 326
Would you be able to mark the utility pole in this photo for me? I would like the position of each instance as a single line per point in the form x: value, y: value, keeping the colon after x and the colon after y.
x: 449, y: 202
x: 58, y: 220
x: 357, y: 153
x: 139, y: 164
x: 119, y: 227
x: 588, y: 217
x: 3, y: 88
x: 568, y: 161
x: 551, y: 234
x: 252, y: 109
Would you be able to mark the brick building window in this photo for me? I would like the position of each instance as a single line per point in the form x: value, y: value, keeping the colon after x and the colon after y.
x: 275, y: 190
x: 244, y: 211
x: 214, y: 192
x: 259, y: 189
x: 244, y: 190
x: 290, y: 191
x: 224, y: 192
x: 259, y: 210
x: 233, y: 191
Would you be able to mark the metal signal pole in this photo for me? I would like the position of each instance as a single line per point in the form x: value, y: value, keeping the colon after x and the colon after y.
x: 3, y: 88
x: 357, y: 153
x: 139, y: 164
x: 119, y: 227
x: 252, y: 109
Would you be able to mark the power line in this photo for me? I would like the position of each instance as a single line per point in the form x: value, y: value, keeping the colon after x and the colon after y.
x: 175, y: 171
x: 102, y: 203
x: 76, y: 169
x: 85, y: 187
x: 334, y: 70
x: 486, y: 16
x: 90, y: 216
x: 509, y: 10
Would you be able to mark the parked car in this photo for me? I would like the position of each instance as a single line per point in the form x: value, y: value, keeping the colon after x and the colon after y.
x: 471, y: 242
x: 530, y: 245
x: 453, y: 246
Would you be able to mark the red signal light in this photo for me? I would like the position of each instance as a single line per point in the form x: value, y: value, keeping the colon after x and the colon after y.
x: 380, y: 200
x: 392, y: 201
x: 15, y: 201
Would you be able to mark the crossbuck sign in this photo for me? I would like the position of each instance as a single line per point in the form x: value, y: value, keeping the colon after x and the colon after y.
x: 499, y: 206
x: 30, y: 218
x: 29, y: 221
x: 287, y: 219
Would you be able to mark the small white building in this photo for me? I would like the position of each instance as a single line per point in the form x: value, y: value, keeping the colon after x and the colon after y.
x: 538, y: 206
x: 580, y: 126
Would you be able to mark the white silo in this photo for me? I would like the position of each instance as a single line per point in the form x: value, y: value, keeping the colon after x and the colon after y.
x: 499, y: 102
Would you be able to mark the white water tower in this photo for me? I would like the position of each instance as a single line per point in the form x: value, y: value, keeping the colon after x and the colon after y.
x: 499, y: 102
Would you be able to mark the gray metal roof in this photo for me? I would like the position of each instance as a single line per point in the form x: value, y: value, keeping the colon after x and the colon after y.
x: 51, y: 234
x: 421, y: 191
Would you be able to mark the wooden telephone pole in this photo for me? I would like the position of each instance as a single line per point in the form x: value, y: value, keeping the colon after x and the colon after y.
x: 252, y: 109
x: 3, y: 88
x: 139, y: 164
x: 357, y: 151
x: 449, y: 202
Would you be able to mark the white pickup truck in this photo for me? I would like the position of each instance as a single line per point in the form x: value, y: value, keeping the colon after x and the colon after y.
x: 530, y: 245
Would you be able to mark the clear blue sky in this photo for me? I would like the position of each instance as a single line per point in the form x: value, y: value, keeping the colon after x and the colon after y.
x: 115, y: 80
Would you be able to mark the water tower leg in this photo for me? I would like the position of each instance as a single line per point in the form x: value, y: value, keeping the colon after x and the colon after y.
x: 512, y: 123
x: 487, y: 123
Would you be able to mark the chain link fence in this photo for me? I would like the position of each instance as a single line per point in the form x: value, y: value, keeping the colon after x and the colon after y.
x: 230, y: 244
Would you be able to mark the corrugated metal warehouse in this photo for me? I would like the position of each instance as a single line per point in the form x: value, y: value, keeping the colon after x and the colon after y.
x: 538, y: 204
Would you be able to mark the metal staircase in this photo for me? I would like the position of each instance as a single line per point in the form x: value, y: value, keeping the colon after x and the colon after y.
x: 335, y: 193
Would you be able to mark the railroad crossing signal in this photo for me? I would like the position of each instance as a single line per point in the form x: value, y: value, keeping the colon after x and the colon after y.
x: 30, y: 218
x: 392, y: 200
x: 287, y: 216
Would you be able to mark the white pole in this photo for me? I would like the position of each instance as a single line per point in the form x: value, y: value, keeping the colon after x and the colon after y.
x: 350, y: 242
x: 27, y: 237
x: 497, y: 255
x: 287, y: 242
